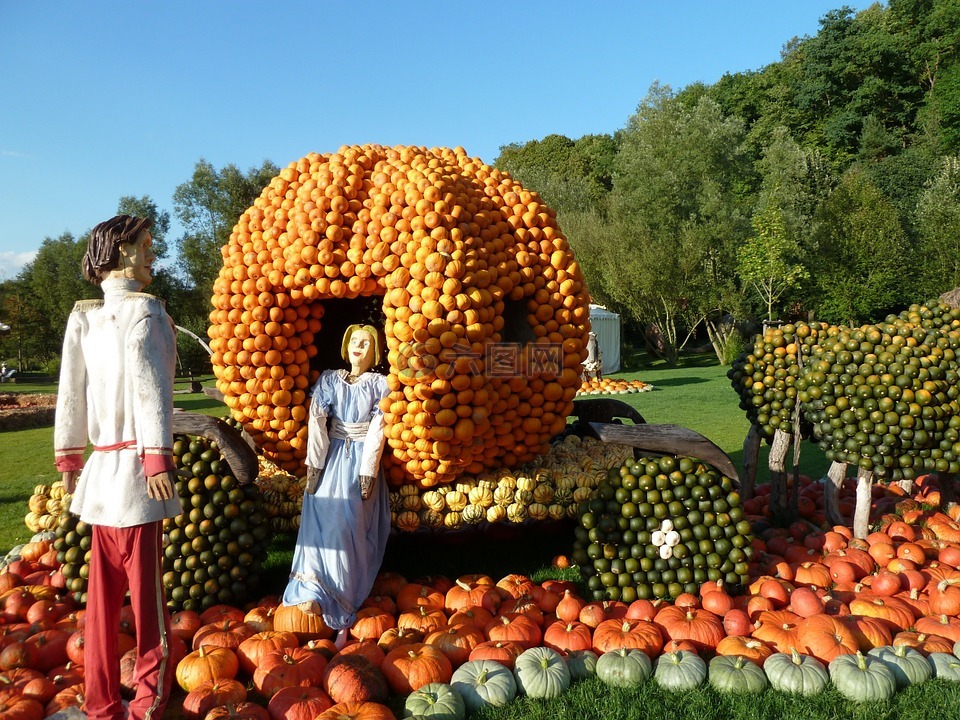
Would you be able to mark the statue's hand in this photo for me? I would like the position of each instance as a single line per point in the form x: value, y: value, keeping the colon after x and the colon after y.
x: 160, y: 486
x: 70, y: 481
x: 366, y: 486
x: 314, y: 476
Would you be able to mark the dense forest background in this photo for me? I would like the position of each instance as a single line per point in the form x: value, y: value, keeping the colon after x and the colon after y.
x: 825, y: 186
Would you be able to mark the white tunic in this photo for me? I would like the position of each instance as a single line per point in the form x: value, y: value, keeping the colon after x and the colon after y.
x: 116, y: 390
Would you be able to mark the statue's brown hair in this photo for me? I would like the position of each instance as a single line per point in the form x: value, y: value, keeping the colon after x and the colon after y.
x: 103, y: 248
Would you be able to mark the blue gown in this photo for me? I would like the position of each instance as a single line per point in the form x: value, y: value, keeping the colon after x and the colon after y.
x: 342, y: 537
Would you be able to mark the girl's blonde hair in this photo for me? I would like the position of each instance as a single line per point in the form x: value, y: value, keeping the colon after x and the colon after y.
x: 374, y: 333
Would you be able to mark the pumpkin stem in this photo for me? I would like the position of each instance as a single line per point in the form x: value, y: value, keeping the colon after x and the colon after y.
x: 861, y: 661
x: 795, y: 657
x: 463, y: 585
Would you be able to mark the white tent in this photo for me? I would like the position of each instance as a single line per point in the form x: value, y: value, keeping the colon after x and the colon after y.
x: 606, y: 325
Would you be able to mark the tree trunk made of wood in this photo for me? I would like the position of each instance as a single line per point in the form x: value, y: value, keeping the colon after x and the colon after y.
x: 779, y: 506
x: 861, y: 516
x: 751, y: 454
x: 831, y: 493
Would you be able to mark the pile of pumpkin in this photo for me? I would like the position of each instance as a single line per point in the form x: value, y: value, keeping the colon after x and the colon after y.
x: 612, y: 386
x: 461, y: 259
x: 282, y: 495
x: 45, y: 506
x: 548, y: 489
x: 444, y: 648
x: 884, y: 397
x: 213, y: 551
x: 659, y: 526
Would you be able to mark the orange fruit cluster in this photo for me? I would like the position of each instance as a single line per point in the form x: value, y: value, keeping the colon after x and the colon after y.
x: 486, y: 308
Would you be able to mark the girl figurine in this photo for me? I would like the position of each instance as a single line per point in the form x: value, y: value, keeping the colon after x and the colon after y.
x: 346, y: 514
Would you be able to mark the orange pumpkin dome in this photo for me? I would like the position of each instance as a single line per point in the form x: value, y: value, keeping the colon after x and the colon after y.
x: 483, y: 305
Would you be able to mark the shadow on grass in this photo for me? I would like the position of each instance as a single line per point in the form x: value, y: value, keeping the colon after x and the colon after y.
x: 634, y: 360
x: 676, y: 382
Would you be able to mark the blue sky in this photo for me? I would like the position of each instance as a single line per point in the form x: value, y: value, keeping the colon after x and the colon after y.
x: 112, y: 98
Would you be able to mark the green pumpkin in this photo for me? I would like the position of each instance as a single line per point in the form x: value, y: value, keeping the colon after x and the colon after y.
x: 909, y: 667
x: 438, y: 701
x: 582, y: 664
x: 680, y: 670
x: 956, y: 648
x: 945, y: 666
x: 541, y: 672
x: 796, y: 674
x: 623, y: 667
x: 733, y: 674
x: 483, y: 683
x: 862, y: 678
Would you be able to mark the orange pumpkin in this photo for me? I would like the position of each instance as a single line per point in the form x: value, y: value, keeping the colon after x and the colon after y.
x: 472, y: 593
x: 251, y: 651
x: 223, y: 633
x: 289, y: 667
x: 514, y: 628
x: 410, y: 667
x: 456, y: 641
x: 354, y: 678
x: 894, y: 611
x: 752, y: 649
x: 567, y: 637
x: 238, y: 711
x: 503, y: 652
x: 306, y: 626
x: 395, y: 637
x: 207, y: 664
x: 357, y: 711
x: 298, y: 703
x: 942, y: 625
x: 825, y: 637
x: 778, y: 628
x: 371, y: 623
x: 631, y: 634
x: 208, y: 695
x: 700, y: 627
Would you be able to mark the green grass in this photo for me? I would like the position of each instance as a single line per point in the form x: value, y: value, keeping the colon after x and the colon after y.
x: 592, y: 700
x: 696, y: 394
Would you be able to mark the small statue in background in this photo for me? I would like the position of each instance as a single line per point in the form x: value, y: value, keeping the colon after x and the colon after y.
x: 593, y: 365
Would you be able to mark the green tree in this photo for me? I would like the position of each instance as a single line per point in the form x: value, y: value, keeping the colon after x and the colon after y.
x: 680, y: 199
x: 938, y: 229
x: 859, y: 255
x: 571, y: 176
x: 53, y: 282
x: 208, y: 205
x: 769, y: 261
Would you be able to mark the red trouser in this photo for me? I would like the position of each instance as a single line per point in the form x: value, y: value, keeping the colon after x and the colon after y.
x: 122, y: 558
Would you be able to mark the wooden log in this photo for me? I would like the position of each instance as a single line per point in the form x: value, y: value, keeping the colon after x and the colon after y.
x: 778, y: 476
x: 668, y: 439
x: 237, y: 449
x: 604, y: 410
x: 751, y: 454
x: 831, y: 500
x: 861, y: 516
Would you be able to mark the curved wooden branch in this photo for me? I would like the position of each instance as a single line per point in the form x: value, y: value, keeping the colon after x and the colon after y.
x: 237, y: 449
x: 671, y: 439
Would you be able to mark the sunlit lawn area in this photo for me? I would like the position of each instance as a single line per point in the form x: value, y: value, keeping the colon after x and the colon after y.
x: 696, y: 394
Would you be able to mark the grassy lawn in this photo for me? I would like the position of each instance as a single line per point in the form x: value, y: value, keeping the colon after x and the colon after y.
x: 696, y: 394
